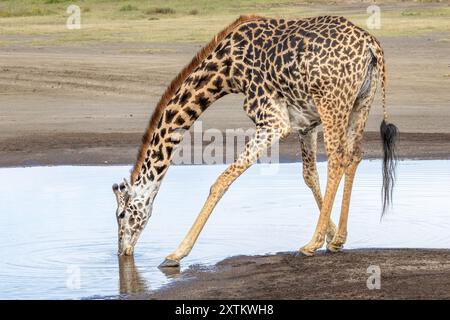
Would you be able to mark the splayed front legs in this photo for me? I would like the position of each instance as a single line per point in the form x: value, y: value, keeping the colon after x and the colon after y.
x: 217, y: 190
x: 251, y: 153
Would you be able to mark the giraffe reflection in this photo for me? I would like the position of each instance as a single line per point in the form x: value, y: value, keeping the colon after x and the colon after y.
x: 130, y: 280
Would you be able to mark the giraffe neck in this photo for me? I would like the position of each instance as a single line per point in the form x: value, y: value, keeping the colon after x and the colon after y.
x: 200, y: 83
x: 197, y: 92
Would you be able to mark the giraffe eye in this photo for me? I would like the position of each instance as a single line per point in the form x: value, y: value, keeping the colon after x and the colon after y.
x: 122, y: 215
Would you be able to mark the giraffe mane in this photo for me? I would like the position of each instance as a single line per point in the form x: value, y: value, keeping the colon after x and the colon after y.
x: 176, y: 84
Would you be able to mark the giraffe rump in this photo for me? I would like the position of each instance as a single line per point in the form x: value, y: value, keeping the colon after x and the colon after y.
x: 175, y: 85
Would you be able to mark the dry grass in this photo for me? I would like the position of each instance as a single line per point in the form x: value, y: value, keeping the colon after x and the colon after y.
x: 181, y: 20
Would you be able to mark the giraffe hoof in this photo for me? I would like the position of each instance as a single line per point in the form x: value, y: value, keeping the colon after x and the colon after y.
x: 331, y: 233
x: 333, y: 248
x: 169, y: 263
x: 305, y: 252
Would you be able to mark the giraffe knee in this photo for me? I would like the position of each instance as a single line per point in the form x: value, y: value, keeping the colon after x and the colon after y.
x: 284, y: 131
x: 219, y: 187
x: 357, y: 156
x: 279, y: 131
x: 215, y: 189
x: 309, y: 179
x: 354, y: 158
x: 357, y: 159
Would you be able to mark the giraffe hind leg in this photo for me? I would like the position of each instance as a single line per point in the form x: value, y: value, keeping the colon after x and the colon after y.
x: 355, y: 134
x: 334, y: 129
x: 308, y: 144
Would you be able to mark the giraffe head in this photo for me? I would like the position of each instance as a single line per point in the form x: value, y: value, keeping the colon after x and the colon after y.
x: 134, y: 208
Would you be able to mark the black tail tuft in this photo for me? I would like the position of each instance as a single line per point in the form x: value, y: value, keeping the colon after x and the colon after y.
x: 389, y: 134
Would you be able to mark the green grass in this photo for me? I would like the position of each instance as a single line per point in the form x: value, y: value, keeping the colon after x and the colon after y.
x: 189, y: 20
x: 128, y: 7
x: 25, y: 12
x: 160, y: 11
x: 55, y: 1
x: 409, y: 13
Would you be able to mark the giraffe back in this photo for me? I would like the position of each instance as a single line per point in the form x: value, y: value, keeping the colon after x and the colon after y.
x: 298, y: 59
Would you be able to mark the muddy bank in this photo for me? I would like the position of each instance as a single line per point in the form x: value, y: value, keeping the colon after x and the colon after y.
x: 405, y: 274
x: 91, y: 104
x: 121, y: 148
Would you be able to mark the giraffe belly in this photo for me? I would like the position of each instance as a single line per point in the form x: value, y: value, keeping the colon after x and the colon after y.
x: 303, y: 118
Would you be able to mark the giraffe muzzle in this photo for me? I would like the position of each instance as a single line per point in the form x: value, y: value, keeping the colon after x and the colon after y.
x: 128, y: 251
x: 126, y: 248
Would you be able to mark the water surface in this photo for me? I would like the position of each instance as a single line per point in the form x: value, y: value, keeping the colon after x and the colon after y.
x: 58, y: 233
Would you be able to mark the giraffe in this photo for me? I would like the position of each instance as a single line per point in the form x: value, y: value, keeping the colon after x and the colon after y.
x: 294, y: 75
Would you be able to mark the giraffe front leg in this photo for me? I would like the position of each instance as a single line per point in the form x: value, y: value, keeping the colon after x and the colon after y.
x: 217, y: 191
x: 252, y: 151
x: 308, y: 144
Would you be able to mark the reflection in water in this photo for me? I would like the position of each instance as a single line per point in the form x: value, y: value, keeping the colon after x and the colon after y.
x: 130, y: 280
x: 71, y: 237
x: 171, y: 273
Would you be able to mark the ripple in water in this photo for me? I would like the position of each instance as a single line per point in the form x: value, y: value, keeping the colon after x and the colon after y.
x: 58, y: 231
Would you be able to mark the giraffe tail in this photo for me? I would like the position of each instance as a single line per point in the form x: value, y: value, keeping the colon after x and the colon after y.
x: 389, y: 134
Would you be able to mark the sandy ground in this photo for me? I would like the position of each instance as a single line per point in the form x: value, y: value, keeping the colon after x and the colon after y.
x: 91, y: 104
x: 404, y: 274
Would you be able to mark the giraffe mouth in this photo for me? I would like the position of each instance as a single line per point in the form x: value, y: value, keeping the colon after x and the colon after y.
x: 128, y: 242
x: 128, y: 251
x: 128, y: 248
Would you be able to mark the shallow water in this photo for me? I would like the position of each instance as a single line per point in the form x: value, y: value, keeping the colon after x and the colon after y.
x: 58, y: 229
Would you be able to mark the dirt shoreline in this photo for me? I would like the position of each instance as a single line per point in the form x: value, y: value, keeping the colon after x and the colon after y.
x: 89, y: 105
x: 404, y: 274
x: 121, y: 148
